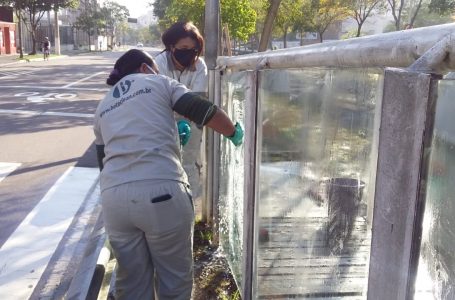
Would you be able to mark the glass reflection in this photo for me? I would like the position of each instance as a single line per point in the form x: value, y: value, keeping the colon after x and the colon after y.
x: 316, y: 182
x: 436, y: 272
x: 232, y: 177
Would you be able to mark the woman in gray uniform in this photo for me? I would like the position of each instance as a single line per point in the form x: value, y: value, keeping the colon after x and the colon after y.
x: 146, y: 201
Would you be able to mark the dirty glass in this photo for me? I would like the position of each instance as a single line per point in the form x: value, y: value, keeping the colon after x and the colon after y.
x: 436, y: 270
x: 318, y: 153
x: 231, y: 184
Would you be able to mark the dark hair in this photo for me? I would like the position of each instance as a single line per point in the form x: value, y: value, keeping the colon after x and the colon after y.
x: 129, y: 63
x: 181, y: 30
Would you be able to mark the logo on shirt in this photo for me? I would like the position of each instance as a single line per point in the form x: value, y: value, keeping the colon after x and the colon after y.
x: 122, y: 88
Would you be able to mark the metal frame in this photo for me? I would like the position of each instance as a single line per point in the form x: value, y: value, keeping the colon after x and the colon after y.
x: 401, y: 135
x: 406, y: 109
x: 394, y: 49
x: 251, y: 168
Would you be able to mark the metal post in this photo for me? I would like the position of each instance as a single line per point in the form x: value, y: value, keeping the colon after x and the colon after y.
x: 250, y: 192
x: 212, y: 17
x: 401, y: 140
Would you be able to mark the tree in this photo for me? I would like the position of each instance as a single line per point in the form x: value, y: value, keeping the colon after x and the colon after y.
x: 31, y: 11
x: 362, y: 9
x: 272, y: 12
x: 184, y: 10
x: 159, y: 7
x: 57, y: 5
x: 401, y: 7
x: 17, y: 6
x: 289, y: 14
x: 442, y: 7
x: 428, y: 17
x: 89, y: 19
x: 237, y: 14
x: 112, y: 14
x: 240, y: 18
x: 322, y: 13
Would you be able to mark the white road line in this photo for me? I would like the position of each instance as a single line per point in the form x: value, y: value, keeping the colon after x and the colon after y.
x: 25, y: 255
x: 83, y: 79
x: 7, y: 168
x: 44, y: 113
x: 16, y: 72
x: 36, y: 87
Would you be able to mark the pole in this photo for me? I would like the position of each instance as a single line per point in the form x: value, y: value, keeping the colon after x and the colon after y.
x: 57, y: 32
x: 212, y: 41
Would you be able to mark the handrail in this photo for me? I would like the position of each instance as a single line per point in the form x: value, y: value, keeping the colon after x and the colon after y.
x: 394, y: 49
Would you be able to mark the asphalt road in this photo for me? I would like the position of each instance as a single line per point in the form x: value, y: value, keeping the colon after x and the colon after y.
x: 46, y: 120
x: 47, y: 159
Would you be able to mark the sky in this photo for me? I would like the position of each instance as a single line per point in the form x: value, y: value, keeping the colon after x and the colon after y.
x: 137, y: 8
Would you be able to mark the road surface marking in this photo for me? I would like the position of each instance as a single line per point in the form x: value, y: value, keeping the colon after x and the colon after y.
x: 15, y: 73
x: 83, y: 79
x: 25, y: 255
x: 37, y: 97
x: 7, y: 168
x: 53, y: 88
x: 43, y: 113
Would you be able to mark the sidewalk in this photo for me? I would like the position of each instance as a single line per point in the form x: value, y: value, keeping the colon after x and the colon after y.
x: 6, y: 59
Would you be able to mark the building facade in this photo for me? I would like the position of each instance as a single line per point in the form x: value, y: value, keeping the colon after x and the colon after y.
x: 7, y: 31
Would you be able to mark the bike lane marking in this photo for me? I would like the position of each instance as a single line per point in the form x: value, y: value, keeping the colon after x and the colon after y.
x: 27, y: 252
x: 83, y: 79
x: 7, y: 168
x: 54, y: 88
x: 44, y: 113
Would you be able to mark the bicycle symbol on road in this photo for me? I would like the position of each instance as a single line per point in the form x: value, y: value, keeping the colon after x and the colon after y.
x: 36, y: 97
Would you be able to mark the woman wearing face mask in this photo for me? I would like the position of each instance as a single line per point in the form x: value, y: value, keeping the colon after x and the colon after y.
x: 181, y: 59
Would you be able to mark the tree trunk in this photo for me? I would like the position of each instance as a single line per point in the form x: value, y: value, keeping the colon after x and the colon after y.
x: 56, y: 33
x: 33, y: 34
x: 285, y: 35
x: 359, y: 28
x: 268, y: 24
x: 19, y: 27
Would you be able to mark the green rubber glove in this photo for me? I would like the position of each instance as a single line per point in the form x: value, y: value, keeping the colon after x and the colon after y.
x: 237, y: 137
x: 184, y: 128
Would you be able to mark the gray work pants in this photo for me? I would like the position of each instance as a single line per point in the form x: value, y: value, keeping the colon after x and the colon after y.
x: 150, y: 228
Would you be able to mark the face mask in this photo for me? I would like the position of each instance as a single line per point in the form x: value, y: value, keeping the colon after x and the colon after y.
x: 185, y: 57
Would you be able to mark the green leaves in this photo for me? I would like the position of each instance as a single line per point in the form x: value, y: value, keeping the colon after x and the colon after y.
x: 237, y: 14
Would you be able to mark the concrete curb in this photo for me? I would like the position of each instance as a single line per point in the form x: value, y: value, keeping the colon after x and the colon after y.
x: 75, y: 261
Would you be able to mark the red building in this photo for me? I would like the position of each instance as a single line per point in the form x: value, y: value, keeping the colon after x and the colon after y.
x: 7, y: 31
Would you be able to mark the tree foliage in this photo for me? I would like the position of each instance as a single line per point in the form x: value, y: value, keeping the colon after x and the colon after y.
x: 32, y: 11
x: 240, y: 18
x: 362, y: 9
x: 404, y: 8
x: 289, y: 15
x: 323, y: 13
x: 442, y: 7
x: 95, y: 19
x: 237, y: 14
x: 111, y: 15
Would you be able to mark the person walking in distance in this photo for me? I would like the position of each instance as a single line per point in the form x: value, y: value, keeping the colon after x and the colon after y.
x: 46, y: 48
x: 146, y: 200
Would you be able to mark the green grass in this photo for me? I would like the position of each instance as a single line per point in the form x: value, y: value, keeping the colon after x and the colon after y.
x: 35, y: 56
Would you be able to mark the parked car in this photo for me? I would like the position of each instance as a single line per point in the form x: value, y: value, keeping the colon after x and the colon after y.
x: 140, y: 45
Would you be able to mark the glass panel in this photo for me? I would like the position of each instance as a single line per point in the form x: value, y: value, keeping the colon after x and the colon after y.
x: 316, y: 182
x: 232, y: 177
x: 436, y: 272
